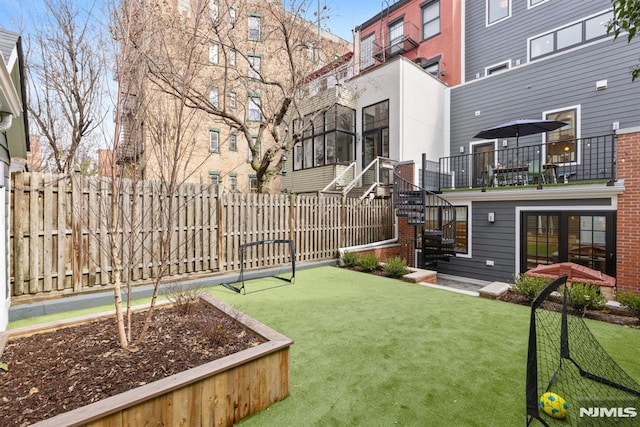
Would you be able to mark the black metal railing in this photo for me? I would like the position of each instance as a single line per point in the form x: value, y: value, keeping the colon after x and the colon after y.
x: 389, y: 44
x: 561, y: 162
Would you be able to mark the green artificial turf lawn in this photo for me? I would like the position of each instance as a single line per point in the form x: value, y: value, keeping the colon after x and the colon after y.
x: 375, y: 351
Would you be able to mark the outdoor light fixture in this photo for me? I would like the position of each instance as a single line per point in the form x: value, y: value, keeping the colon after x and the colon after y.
x: 462, y: 149
x: 491, y: 217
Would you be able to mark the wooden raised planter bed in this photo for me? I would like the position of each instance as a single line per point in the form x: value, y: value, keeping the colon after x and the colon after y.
x: 218, y: 393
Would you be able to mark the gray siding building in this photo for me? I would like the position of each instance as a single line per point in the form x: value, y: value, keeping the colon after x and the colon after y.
x: 550, y: 60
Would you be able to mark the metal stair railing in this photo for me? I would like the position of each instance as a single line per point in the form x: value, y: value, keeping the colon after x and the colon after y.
x: 425, y: 208
x: 378, y: 162
x: 337, y: 179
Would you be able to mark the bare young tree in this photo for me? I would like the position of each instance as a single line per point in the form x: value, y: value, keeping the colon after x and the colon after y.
x: 253, y: 60
x: 65, y: 72
x: 146, y: 117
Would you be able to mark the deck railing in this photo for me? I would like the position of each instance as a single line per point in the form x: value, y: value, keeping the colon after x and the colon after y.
x: 560, y: 162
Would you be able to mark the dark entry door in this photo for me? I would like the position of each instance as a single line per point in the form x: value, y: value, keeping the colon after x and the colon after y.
x: 584, y: 238
x: 483, y: 160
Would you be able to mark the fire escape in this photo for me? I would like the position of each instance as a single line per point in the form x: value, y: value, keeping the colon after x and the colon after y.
x: 400, y: 38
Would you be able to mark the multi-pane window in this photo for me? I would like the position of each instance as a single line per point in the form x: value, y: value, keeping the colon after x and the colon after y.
x: 253, y: 184
x: 214, y: 178
x: 327, y: 139
x: 232, y: 99
x: 214, y: 53
x: 431, y: 20
x: 214, y: 141
x: 461, y: 224
x: 233, y: 183
x: 233, y: 142
x: 255, y: 111
x: 570, y: 36
x: 213, y: 9
x: 254, y: 66
x: 584, y: 238
x: 366, y: 52
x: 254, y: 28
x: 396, y: 36
x: 561, y: 144
x: 232, y: 58
x: 310, y: 52
x: 233, y: 15
x: 497, y: 10
x: 214, y: 97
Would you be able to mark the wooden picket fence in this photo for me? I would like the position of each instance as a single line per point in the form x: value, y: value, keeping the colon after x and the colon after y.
x: 61, y: 233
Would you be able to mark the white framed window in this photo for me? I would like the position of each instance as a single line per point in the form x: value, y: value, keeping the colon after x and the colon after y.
x: 366, y: 51
x: 431, y: 20
x: 232, y: 58
x: 232, y: 100
x: 233, y: 142
x: 214, y: 141
x: 570, y: 36
x: 233, y: 182
x: 310, y: 52
x: 396, y: 36
x: 497, y: 68
x: 253, y: 183
x: 498, y: 10
x: 213, y: 9
x: 254, y: 66
x: 254, y: 28
x: 534, y: 3
x: 255, y: 109
x: 214, y: 179
x: 214, y: 54
x: 562, y: 146
x: 214, y: 97
x: 233, y: 15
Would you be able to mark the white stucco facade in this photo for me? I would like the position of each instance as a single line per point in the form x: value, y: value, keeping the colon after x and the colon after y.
x: 417, y: 109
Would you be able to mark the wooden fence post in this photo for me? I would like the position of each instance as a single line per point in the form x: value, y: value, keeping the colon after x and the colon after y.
x: 76, y: 232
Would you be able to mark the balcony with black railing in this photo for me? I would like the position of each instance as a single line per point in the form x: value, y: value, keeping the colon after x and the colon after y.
x: 560, y: 162
x: 396, y: 42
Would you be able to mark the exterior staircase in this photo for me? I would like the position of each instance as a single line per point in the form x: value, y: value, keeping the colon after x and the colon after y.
x: 370, y: 182
x: 434, y: 215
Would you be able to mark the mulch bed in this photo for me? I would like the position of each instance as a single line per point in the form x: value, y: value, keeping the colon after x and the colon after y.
x: 556, y: 305
x: 58, y: 371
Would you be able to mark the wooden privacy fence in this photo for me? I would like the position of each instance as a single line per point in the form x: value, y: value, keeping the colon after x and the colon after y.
x: 61, y: 230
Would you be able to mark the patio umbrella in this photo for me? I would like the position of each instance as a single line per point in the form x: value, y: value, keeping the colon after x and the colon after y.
x: 520, y: 127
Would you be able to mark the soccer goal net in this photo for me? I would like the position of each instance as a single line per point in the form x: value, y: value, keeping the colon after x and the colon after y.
x: 251, y: 253
x: 565, y: 358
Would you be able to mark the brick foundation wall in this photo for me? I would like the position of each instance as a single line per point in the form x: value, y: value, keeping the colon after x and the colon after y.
x: 383, y: 252
x: 628, y: 224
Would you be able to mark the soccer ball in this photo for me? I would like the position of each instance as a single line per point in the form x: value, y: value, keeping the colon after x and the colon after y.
x: 553, y: 405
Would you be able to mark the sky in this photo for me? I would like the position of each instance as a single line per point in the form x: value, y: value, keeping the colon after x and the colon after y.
x: 342, y: 15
